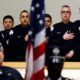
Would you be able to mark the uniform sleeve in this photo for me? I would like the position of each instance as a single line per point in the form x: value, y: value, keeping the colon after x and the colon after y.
x: 2, y: 41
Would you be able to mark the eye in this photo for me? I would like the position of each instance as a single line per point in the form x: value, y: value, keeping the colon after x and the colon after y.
x: 65, y: 12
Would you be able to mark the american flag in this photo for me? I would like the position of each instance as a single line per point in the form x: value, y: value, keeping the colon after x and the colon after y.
x: 36, y: 53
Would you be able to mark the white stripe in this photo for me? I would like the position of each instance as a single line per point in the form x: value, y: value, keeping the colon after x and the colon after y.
x: 39, y: 63
x: 30, y: 64
x: 40, y: 37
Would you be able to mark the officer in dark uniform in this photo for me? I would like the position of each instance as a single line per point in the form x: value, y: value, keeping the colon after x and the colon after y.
x: 49, y: 30
x: 8, y: 23
x: 63, y: 37
x: 19, y: 37
x: 77, y: 51
x: 8, y: 73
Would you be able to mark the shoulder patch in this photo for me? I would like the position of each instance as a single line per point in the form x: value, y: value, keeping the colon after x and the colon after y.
x: 11, y: 32
x: 52, y: 28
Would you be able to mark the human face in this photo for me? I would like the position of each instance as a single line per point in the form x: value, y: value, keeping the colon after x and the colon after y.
x: 47, y: 22
x: 65, y: 14
x: 8, y: 24
x: 24, y: 19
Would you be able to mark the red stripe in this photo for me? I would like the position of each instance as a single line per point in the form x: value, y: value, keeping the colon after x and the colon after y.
x: 38, y: 51
x: 32, y: 77
x: 39, y: 75
x: 29, y: 47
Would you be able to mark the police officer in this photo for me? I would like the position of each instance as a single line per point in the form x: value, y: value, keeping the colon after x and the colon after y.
x: 63, y: 37
x: 77, y: 51
x: 49, y: 30
x: 8, y: 23
x: 65, y: 33
x: 19, y: 37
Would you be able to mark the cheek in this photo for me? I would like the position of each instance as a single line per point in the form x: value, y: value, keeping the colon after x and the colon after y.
x: 62, y: 15
x: 28, y: 19
x: 22, y: 20
x: 48, y: 24
x: 5, y: 25
x: 69, y: 16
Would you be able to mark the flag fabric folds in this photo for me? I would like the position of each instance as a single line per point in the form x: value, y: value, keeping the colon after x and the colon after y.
x: 36, y: 53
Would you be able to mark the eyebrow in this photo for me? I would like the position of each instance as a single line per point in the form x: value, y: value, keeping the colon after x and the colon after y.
x: 66, y: 11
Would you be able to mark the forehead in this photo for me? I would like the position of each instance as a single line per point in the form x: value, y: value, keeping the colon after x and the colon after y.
x: 65, y: 9
x: 24, y: 13
x: 7, y: 19
x: 47, y: 18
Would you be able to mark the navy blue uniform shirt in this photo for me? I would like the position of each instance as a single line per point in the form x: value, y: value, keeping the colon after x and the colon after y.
x: 17, y: 42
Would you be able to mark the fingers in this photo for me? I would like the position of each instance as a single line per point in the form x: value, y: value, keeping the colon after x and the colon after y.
x: 71, y: 33
x: 26, y: 38
x: 72, y: 36
x: 1, y: 56
x: 70, y: 54
x: 67, y: 31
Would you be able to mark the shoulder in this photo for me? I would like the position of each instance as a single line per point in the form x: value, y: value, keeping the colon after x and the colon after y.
x: 16, y: 27
x: 2, y: 33
x: 57, y: 24
x: 77, y: 22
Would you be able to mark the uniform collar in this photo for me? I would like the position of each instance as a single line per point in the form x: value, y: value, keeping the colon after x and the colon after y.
x: 51, y: 28
x: 67, y: 23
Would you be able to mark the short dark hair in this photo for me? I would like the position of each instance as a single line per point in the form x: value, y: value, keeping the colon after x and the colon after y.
x: 24, y: 11
x: 66, y: 6
x: 48, y: 15
x: 8, y: 17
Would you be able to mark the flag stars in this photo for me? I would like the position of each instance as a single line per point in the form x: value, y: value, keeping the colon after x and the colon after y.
x: 37, y: 5
x: 43, y: 12
x: 30, y: 33
x: 38, y: 16
x: 32, y: 8
x: 40, y: 22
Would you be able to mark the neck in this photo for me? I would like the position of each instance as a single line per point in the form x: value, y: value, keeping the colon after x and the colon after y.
x: 65, y: 22
x: 7, y: 30
x: 24, y: 26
